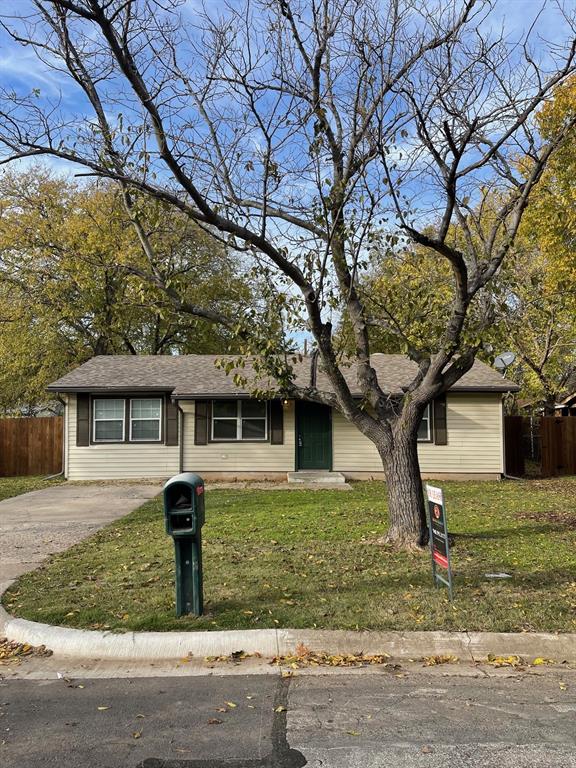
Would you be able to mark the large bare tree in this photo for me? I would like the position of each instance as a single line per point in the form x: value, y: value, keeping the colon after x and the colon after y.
x: 302, y: 133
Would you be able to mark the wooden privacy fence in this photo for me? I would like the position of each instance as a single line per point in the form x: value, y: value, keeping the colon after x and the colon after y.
x: 558, y: 446
x: 544, y: 446
x: 31, y: 446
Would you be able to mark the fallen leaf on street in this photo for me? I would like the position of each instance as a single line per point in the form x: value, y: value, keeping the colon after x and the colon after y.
x: 504, y: 661
x: 432, y: 661
x: 304, y: 657
x: 12, y: 652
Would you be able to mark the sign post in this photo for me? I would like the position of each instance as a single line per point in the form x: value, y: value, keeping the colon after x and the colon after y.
x: 439, y: 546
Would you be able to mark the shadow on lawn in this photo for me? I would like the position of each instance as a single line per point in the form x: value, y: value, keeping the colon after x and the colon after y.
x: 557, y: 526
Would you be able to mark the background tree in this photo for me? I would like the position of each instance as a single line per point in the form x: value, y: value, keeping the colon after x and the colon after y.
x: 299, y: 130
x: 542, y: 320
x: 70, y: 262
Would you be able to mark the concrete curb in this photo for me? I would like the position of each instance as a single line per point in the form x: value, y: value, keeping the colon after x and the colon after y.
x: 468, y: 646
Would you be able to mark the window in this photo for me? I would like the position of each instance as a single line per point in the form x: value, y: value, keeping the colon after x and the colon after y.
x: 239, y: 420
x: 108, y: 420
x: 109, y: 416
x: 145, y: 414
x: 424, y: 429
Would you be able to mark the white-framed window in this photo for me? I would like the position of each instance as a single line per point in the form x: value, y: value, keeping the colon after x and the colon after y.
x: 239, y: 420
x: 145, y: 419
x: 108, y: 416
x: 425, y: 426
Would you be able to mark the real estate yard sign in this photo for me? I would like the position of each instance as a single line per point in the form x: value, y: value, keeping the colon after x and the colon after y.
x: 439, y: 546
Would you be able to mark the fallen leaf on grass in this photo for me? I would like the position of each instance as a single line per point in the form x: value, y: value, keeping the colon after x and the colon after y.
x: 137, y: 734
x: 280, y: 709
x: 214, y: 721
x: 102, y: 709
x: 540, y: 660
x: 231, y: 704
x: 562, y: 686
x: 353, y: 733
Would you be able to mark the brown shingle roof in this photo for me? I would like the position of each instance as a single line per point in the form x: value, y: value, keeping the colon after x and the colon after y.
x: 196, y: 376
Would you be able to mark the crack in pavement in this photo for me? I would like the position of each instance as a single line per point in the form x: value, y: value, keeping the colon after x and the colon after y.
x: 281, y: 756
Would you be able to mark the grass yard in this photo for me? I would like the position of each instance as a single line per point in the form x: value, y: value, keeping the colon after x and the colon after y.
x: 14, y: 486
x: 307, y: 559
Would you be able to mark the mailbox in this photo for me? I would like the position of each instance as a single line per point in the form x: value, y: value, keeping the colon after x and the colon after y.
x: 184, y: 518
x: 184, y: 504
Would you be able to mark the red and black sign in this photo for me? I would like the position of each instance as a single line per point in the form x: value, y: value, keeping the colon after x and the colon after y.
x: 439, y: 546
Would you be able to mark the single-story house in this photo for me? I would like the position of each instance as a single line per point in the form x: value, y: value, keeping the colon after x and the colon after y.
x: 154, y: 416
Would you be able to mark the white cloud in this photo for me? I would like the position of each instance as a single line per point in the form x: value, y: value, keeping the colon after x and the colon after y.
x: 20, y: 67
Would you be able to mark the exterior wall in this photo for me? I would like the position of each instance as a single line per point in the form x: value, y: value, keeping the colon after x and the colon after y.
x: 116, y: 460
x: 258, y: 459
x: 475, y: 442
x: 475, y: 448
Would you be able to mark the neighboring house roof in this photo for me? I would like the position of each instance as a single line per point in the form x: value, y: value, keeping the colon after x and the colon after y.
x: 196, y: 376
x: 569, y: 400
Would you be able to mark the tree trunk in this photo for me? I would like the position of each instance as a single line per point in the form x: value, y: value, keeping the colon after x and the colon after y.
x: 408, y: 527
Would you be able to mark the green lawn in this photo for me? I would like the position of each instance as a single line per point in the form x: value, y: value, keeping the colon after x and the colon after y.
x: 14, y: 486
x: 307, y: 559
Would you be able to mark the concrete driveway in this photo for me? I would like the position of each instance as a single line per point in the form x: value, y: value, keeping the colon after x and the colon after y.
x: 37, y: 524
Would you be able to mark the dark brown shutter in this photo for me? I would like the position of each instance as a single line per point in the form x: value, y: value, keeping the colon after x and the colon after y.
x: 439, y: 421
x: 172, y: 415
x: 276, y: 422
x: 82, y: 419
x: 201, y: 422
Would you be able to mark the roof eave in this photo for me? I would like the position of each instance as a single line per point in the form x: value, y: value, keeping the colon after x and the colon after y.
x: 103, y: 390
x: 487, y: 388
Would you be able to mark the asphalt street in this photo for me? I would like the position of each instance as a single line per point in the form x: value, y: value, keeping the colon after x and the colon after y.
x: 407, y: 718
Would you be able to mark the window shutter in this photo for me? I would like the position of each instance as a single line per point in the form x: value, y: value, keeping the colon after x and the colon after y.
x: 201, y: 412
x: 439, y: 421
x: 82, y: 419
x: 172, y: 415
x: 276, y: 422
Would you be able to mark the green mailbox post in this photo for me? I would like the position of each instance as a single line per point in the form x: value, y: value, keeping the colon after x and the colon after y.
x: 184, y: 517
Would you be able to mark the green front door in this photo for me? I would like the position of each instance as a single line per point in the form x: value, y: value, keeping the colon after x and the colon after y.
x: 313, y: 436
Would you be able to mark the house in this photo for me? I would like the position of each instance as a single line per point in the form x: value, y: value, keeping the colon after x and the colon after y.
x: 155, y: 416
x: 567, y: 406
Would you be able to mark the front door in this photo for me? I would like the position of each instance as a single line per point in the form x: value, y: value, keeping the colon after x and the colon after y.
x: 313, y: 436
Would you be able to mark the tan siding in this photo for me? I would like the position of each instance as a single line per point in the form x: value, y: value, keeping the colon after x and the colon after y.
x: 238, y: 457
x: 474, y: 446
x: 474, y: 440
x: 117, y: 460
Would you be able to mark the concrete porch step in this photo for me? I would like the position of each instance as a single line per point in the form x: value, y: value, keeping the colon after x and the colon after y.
x: 316, y: 477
